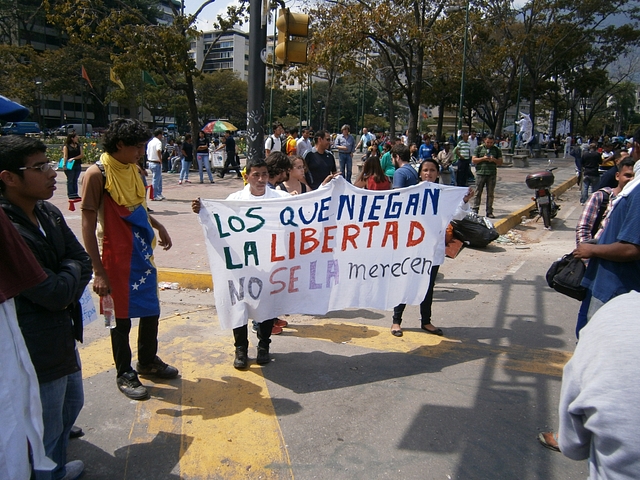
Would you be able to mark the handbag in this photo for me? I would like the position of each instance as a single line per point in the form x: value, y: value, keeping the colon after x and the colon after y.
x: 70, y: 163
x: 565, y: 276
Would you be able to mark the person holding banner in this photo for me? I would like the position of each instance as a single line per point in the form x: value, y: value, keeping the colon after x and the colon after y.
x: 428, y: 172
x: 257, y: 188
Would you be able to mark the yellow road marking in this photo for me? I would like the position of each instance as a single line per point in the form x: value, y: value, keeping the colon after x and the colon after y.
x: 224, y: 418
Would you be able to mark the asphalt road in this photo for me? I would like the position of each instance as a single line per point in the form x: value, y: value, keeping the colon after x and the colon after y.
x: 343, y: 398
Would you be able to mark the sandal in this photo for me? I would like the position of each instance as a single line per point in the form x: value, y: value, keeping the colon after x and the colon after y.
x: 396, y: 333
x: 549, y: 440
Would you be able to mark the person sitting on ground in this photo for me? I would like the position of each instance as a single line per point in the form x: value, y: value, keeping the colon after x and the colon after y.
x: 429, y: 173
x: 372, y: 176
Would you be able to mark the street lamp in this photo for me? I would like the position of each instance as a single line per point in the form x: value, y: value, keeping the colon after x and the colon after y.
x: 39, y: 98
x: 464, y: 67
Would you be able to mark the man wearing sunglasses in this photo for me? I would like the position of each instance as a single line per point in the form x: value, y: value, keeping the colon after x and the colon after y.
x: 49, y: 314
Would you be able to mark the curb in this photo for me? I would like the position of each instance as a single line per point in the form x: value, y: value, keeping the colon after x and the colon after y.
x: 515, y: 218
x: 203, y: 280
x: 186, y: 278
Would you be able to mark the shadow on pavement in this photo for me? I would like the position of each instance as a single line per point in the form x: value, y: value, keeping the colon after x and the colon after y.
x: 153, y: 460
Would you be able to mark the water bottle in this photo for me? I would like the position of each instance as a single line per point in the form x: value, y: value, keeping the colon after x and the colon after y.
x: 108, y: 312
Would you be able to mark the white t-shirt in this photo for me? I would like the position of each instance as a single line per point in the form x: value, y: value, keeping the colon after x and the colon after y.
x: 152, y: 150
x: 473, y: 143
x: 303, y: 146
x: 245, y: 194
x: 272, y: 143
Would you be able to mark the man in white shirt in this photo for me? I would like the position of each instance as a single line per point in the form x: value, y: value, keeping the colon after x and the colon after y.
x: 304, y: 144
x: 273, y: 143
x: 256, y: 189
x: 473, y: 141
x: 154, y: 157
x: 365, y: 139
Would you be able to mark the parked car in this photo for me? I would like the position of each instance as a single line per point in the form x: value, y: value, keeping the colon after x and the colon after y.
x: 21, y: 128
x: 78, y: 127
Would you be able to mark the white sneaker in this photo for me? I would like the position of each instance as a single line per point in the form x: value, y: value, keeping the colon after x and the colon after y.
x: 74, y: 470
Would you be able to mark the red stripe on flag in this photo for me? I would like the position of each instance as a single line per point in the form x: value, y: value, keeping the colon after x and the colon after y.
x: 86, y: 76
x: 117, y: 248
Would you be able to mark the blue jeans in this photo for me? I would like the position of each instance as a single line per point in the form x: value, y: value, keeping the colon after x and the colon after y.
x: 588, y: 180
x: 345, y: 165
x: 156, y: 177
x: 204, y: 158
x: 62, y: 400
x: 184, y: 173
x: 72, y: 181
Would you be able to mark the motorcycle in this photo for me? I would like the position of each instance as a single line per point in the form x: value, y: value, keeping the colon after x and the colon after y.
x: 546, y: 205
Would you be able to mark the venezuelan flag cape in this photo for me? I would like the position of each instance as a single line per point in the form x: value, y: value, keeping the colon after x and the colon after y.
x: 127, y: 256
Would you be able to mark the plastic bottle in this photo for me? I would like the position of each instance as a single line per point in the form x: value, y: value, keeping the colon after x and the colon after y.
x: 108, y: 311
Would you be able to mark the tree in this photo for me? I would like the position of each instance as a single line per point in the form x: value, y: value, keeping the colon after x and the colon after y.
x: 400, y: 31
x: 561, y: 34
x: 137, y: 37
x: 221, y: 95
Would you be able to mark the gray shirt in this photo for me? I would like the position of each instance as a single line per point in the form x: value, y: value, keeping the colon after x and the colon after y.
x: 599, y: 408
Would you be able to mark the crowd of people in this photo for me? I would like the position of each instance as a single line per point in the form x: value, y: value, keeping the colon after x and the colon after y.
x: 45, y: 271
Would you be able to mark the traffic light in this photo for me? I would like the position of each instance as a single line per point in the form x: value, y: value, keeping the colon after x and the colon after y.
x: 291, y: 50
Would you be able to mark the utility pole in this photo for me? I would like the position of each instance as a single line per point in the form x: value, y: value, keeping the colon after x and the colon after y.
x: 257, y: 77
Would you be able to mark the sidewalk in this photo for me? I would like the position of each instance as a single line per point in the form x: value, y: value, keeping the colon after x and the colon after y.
x: 188, y: 256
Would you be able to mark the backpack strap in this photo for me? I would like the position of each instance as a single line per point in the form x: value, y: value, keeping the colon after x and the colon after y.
x: 603, y: 208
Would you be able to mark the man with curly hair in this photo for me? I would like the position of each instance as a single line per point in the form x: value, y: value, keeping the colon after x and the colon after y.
x: 114, y: 197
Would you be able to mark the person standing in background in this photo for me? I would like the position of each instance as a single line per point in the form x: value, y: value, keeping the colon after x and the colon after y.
x: 187, y: 158
x: 73, y: 155
x: 462, y: 153
x: 154, y: 157
x: 345, y: 144
x: 202, y: 156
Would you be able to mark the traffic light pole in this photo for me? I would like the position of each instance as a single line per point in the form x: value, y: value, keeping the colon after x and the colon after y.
x: 257, y: 78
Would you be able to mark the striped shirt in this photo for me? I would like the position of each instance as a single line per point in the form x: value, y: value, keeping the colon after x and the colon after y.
x: 463, y: 150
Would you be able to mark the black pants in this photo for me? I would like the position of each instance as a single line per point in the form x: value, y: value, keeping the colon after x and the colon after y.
x: 241, y: 335
x: 231, y: 164
x: 147, y: 342
x: 462, y: 176
x: 425, y: 306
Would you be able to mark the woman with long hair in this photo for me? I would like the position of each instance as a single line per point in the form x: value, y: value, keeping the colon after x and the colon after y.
x: 73, y: 155
x: 202, y: 155
x: 372, y: 176
x: 428, y: 172
x: 295, y: 182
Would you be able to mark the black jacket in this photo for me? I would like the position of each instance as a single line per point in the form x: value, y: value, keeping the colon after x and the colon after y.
x: 49, y: 314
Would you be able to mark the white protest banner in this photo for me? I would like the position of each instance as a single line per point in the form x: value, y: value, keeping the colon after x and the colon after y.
x: 333, y: 248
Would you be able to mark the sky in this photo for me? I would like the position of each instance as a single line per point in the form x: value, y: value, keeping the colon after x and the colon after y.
x: 220, y: 6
